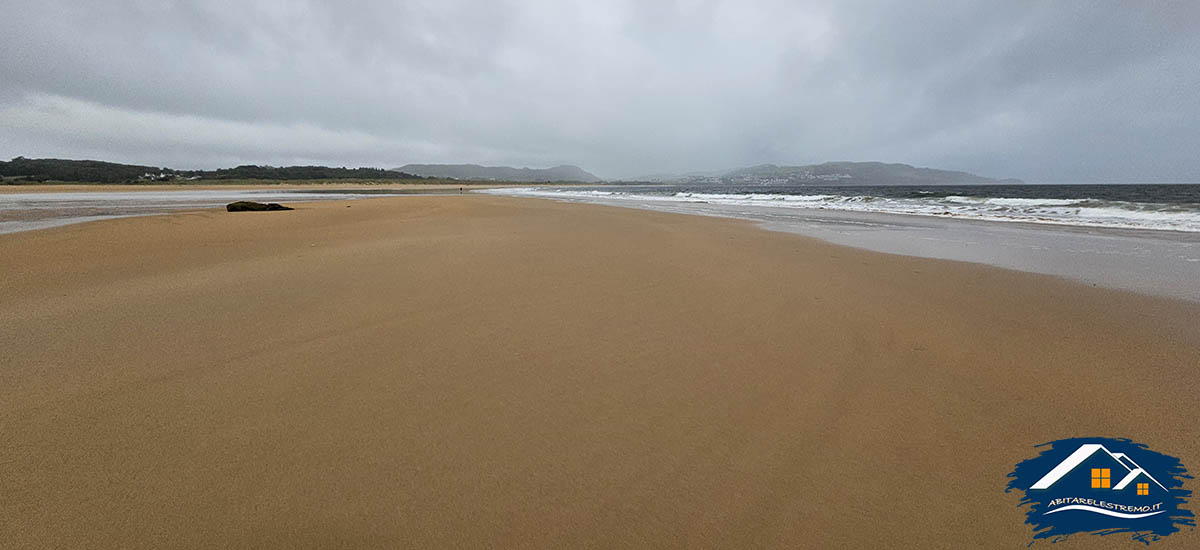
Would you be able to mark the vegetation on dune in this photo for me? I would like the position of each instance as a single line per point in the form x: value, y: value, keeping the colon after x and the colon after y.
x: 23, y: 170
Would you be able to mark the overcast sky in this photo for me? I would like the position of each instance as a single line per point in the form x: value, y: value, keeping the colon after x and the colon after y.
x: 1043, y: 91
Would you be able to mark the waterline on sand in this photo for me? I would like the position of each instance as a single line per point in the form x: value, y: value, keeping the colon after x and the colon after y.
x: 1163, y: 263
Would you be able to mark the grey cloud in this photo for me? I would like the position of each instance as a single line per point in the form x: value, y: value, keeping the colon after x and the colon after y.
x: 1052, y: 91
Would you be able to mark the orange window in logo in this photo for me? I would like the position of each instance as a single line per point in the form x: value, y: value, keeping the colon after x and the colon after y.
x: 1143, y: 488
x: 1101, y: 478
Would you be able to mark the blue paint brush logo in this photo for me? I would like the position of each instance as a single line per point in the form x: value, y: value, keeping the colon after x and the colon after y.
x: 1102, y: 486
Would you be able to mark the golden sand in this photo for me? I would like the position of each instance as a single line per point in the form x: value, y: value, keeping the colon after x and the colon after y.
x: 474, y: 371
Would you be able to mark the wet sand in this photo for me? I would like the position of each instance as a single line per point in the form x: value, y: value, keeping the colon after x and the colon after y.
x: 474, y: 371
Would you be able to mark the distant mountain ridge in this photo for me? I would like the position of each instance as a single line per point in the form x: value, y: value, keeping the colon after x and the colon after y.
x: 840, y: 173
x: 22, y: 169
x: 499, y: 173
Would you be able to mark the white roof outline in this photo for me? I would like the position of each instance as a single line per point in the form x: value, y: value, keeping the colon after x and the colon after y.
x: 1082, y: 453
x: 1132, y: 475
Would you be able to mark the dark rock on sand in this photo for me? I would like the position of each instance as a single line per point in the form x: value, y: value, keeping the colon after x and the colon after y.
x: 248, y: 206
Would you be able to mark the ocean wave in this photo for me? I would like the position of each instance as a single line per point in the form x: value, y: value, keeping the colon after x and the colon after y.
x: 1006, y: 201
x: 760, y: 197
x: 1084, y: 212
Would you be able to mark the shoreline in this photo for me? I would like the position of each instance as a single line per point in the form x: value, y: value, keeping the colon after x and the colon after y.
x: 491, y: 371
x: 45, y: 207
x: 1113, y: 212
x: 1163, y: 263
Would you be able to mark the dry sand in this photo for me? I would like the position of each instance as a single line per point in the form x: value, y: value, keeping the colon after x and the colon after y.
x: 474, y: 371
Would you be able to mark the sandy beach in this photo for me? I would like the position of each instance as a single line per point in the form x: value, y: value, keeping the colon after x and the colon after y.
x: 480, y: 371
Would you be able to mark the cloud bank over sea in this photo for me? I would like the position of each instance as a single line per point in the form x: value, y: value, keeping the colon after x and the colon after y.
x: 1037, y: 91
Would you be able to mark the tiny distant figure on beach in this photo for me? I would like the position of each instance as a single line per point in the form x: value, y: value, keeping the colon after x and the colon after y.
x: 460, y: 190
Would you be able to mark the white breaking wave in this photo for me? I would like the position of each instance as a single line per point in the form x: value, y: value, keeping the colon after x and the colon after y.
x: 1005, y: 201
x: 1078, y: 212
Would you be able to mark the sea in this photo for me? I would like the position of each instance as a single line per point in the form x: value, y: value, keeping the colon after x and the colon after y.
x: 1138, y: 237
x: 1152, y: 207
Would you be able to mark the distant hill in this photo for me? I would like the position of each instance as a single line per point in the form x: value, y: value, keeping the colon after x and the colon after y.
x: 861, y: 173
x: 499, y: 173
x: 22, y: 169
x: 74, y: 170
x: 108, y: 172
x: 840, y: 173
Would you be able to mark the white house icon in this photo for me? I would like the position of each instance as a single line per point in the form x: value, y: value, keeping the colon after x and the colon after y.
x: 1086, y: 451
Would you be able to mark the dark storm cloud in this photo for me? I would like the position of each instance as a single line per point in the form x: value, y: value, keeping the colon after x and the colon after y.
x: 1067, y: 91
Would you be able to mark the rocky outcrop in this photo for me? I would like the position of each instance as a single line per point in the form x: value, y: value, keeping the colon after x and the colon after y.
x: 248, y: 206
